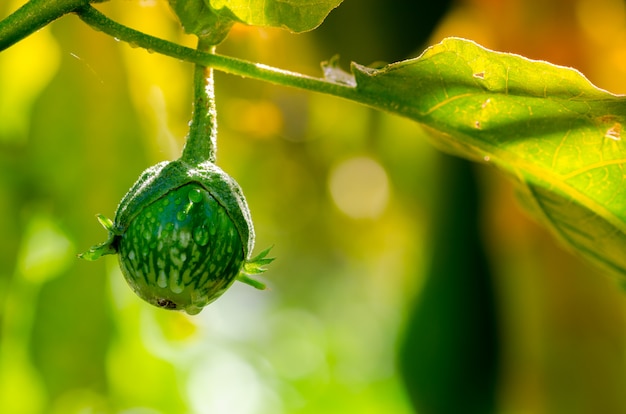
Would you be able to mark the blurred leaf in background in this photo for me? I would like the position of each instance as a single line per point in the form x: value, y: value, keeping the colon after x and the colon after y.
x: 344, y: 193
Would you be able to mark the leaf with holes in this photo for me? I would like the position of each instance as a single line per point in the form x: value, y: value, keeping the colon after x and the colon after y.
x: 546, y: 126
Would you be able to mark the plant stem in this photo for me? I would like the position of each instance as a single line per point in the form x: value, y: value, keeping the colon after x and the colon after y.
x: 201, y: 142
x: 225, y: 64
x: 32, y: 16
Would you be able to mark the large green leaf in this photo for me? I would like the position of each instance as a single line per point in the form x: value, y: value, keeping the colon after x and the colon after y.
x: 547, y: 126
x: 215, y: 17
x: 295, y: 15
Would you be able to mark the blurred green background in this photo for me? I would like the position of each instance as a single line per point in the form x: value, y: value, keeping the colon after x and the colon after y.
x: 405, y: 281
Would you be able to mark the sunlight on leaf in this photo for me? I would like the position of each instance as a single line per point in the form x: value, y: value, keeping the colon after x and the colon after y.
x: 545, y: 125
x: 294, y: 15
x: 214, y: 18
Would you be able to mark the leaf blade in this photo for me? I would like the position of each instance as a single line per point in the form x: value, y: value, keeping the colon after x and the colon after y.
x: 546, y: 126
x: 294, y: 15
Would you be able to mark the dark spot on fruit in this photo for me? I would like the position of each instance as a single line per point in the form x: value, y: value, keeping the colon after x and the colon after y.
x: 165, y: 303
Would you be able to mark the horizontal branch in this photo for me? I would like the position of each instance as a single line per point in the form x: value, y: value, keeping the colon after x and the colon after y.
x: 226, y: 64
x: 34, y: 15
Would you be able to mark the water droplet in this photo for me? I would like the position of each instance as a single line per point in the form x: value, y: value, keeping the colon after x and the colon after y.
x: 166, y: 202
x: 193, y: 310
x: 201, y: 236
x: 178, y: 200
x: 195, y: 196
x: 181, y: 215
x: 147, y: 234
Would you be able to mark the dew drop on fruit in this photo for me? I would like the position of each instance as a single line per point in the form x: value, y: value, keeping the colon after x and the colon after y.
x: 195, y: 196
x: 193, y: 310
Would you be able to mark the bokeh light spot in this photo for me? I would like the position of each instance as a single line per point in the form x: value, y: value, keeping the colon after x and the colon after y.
x: 259, y: 119
x: 359, y: 187
x: 46, y: 251
x: 227, y: 384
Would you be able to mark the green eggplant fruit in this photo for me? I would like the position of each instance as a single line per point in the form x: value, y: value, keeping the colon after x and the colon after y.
x: 183, y: 234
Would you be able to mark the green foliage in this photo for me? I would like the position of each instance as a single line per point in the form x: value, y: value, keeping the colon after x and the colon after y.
x: 294, y: 15
x: 214, y: 18
x: 547, y: 126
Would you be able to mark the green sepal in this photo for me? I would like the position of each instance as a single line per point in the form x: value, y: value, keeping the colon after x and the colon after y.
x: 241, y: 277
x: 108, y: 247
x: 254, y: 266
